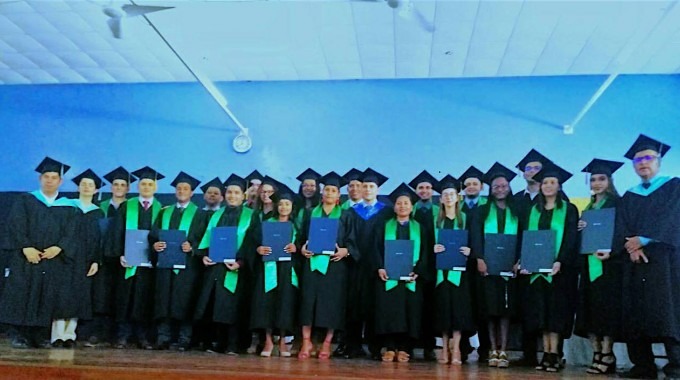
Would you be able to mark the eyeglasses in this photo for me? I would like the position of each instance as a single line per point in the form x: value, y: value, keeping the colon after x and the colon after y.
x: 268, y: 192
x: 641, y: 159
x: 499, y: 187
x: 529, y: 168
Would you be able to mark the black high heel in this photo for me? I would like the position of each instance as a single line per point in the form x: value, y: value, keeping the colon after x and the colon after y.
x: 597, y: 360
x: 554, y: 365
x: 544, y: 363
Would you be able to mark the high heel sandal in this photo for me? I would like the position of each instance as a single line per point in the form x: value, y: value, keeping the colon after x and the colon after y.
x: 456, y: 358
x: 444, y: 357
x: 325, y: 352
x: 545, y: 362
x: 554, y: 363
x: 597, y: 359
x: 602, y: 367
x: 306, y: 349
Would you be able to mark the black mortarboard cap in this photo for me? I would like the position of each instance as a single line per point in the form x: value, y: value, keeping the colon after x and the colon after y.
x: 51, y: 165
x: 606, y: 167
x: 254, y: 175
x: 183, y: 177
x: 235, y: 180
x: 119, y: 173
x: 353, y: 175
x: 215, y: 182
x: 424, y: 176
x: 532, y: 156
x: 333, y: 179
x: 448, y: 182
x: 88, y: 174
x: 270, y: 181
x: 645, y: 142
x: 471, y: 172
x: 371, y: 175
x: 148, y: 173
x: 552, y: 170
x: 309, y: 174
x: 283, y: 192
x: 498, y: 170
x: 404, y: 189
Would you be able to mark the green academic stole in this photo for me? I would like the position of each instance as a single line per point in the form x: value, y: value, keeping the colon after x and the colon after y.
x: 595, y: 268
x: 132, y: 222
x: 319, y: 263
x: 231, y: 278
x: 345, y: 205
x: 557, y: 223
x: 104, y: 206
x: 271, y: 280
x: 414, y: 235
x: 491, y: 223
x: 452, y: 276
x: 184, y: 223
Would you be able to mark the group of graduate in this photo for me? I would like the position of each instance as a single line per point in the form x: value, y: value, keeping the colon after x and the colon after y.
x: 69, y: 275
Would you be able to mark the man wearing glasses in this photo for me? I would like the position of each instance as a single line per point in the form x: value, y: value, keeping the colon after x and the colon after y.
x: 648, y: 232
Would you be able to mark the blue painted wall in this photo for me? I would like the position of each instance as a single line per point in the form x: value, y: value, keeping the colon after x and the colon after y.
x: 398, y: 127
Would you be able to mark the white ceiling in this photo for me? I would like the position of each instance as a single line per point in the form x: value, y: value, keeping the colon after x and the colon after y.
x: 68, y: 41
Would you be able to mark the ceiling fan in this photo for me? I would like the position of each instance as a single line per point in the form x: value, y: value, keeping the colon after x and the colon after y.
x: 119, y: 13
x: 406, y: 9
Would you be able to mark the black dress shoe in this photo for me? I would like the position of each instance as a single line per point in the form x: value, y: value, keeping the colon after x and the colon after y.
x: 640, y: 373
x: 120, y: 344
x: 58, y: 344
x: 69, y: 343
x: 183, y: 346
x: 429, y: 355
x: 215, y: 348
x: 525, y: 362
x: 340, y: 351
x: 146, y: 345
x: 161, y: 346
x: 20, y: 343
x: 354, y: 353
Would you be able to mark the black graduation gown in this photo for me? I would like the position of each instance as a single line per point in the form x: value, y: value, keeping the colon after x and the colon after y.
x: 30, y: 292
x: 399, y: 310
x: 550, y: 306
x: 134, y: 296
x: 276, y: 309
x: 75, y: 289
x: 215, y: 302
x: 425, y: 216
x: 104, y: 282
x: 453, y: 304
x: 599, y: 307
x: 651, y: 291
x: 497, y: 296
x: 323, y: 298
x: 360, y: 305
x: 175, y: 294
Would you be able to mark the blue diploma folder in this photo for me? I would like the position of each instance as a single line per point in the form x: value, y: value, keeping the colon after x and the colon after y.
x: 137, y: 248
x: 451, y: 258
x: 172, y: 257
x: 323, y: 235
x: 499, y: 254
x: 599, y: 233
x: 223, y: 245
x: 399, y: 259
x: 277, y: 235
x: 538, y: 251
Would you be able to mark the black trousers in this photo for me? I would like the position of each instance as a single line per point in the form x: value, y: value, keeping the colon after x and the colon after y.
x: 398, y: 342
x: 168, y: 328
x: 642, y: 356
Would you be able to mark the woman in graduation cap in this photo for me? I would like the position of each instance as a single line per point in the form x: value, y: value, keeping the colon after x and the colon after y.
x: 81, y: 262
x: 275, y: 289
x: 453, y: 305
x: 547, y: 304
x: 309, y: 193
x: 222, y: 289
x: 498, y: 298
x: 177, y: 288
x: 324, y: 286
x: 254, y: 181
x: 598, y: 314
x: 398, y: 304
x: 264, y: 206
x: 40, y: 228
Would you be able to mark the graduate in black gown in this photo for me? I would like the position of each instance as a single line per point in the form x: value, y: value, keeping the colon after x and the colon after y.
x: 176, y: 290
x: 453, y: 312
x: 75, y: 298
x: 324, y: 277
x: 309, y: 193
x: 647, y: 235
x: 425, y: 212
x: 135, y: 284
x: 368, y: 215
x: 41, y: 227
x: 253, y: 183
x: 354, y: 188
x: 276, y: 284
x: 399, y: 304
x: 263, y: 205
x: 497, y: 294
x: 471, y: 181
x: 599, y: 311
x: 100, y: 329
x: 223, y: 286
x: 547, y: 307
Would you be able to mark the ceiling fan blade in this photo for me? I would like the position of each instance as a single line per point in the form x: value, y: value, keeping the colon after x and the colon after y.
x: 116, y: 26
x: 138, y: 10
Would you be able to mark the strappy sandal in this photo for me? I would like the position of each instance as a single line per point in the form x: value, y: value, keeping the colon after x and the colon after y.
x: 597, y: 359
x: 389, y: 356
x: 403, y: 357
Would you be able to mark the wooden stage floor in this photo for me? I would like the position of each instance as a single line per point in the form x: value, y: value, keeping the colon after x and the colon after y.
x: 106, y: 363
